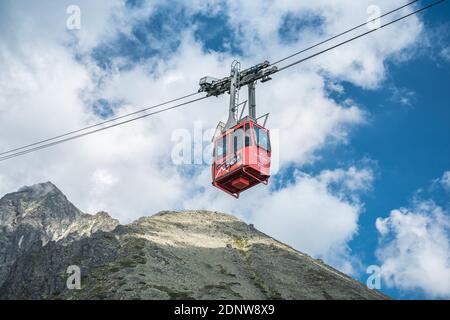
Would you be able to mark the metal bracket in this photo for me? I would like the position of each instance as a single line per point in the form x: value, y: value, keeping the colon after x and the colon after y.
x: 243, y: 109
x: 219, y: 129
x: 265, y: 116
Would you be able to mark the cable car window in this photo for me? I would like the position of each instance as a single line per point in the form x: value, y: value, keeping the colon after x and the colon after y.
x: 222, y: 147
x: 237, y: 139
x: 262, y: 138
x: 248, y: 135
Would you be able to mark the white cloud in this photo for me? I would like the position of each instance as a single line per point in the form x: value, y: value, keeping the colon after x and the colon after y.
x: 103, y: 180
x: 403, y: 96
x: 127, y: 171
x: 415, y: 249
x: 445, y: 53
x: 352, y: 179
x: 445, y: 180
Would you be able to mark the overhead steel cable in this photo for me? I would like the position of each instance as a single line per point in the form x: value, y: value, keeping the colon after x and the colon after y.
x: 97, y: 124
x: 360, y: 35
x: 343, y: 33
x: 97, y: 130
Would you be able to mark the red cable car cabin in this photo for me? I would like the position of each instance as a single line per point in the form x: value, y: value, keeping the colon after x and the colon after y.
x: 241, y: 158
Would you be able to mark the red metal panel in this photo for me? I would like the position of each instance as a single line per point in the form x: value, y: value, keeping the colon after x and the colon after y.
x: 240, y: 183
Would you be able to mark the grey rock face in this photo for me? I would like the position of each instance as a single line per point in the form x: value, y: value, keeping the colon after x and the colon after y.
x: 35, y: 215
x: 171, y: 255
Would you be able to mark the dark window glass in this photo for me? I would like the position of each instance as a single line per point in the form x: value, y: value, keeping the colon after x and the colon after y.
x: 248, y: 135
x: 237, y: 139
x: 225, y: 145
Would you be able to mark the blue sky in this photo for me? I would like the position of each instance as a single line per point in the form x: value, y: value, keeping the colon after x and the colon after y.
x: 376, y: 144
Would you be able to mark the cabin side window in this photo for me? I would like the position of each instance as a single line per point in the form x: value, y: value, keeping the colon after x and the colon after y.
x: 221, y: 147
x: 262, y: 138
x: 237, y: 139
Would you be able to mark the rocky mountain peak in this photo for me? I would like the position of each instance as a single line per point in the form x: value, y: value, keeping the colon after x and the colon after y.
x: 42, y: 206
x: 40, y: 190
x: 38, y: 214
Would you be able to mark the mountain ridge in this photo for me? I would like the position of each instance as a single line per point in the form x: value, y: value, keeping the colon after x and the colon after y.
x: 170, y: 255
